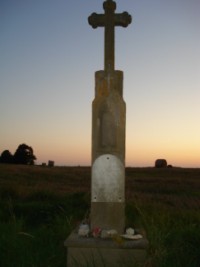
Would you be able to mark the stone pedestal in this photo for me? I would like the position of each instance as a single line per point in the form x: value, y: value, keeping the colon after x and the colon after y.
x: 96, y: 252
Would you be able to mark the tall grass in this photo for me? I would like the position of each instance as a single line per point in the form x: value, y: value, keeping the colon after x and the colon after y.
x: 37, y: 247
x: 33, y: 229
x: 173, y: 234
x: 39, y: 207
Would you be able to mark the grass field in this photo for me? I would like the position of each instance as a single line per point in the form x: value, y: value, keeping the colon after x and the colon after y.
x: 40, y: 206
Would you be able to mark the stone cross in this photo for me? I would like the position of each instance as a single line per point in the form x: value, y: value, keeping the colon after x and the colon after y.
x: 107, y: 213
x: 108, y: 130
x: 109, y: 20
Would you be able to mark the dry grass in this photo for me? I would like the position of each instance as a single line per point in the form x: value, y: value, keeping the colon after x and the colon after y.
x: 165, y: 201
x: 176, y: 187
x: 25, y: 180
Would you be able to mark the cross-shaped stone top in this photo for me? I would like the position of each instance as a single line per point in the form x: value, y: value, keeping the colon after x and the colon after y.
x: 109, y: 20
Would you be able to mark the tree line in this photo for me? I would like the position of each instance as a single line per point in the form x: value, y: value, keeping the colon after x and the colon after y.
x: 23, y: 155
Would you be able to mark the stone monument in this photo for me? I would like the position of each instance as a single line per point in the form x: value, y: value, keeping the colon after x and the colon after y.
x: 108, y: 129
x: 108, y: 165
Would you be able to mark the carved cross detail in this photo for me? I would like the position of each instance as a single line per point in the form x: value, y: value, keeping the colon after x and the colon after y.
x: 109, y: 20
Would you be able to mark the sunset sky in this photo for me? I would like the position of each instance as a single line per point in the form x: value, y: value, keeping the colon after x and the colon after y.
x: 48, y: 57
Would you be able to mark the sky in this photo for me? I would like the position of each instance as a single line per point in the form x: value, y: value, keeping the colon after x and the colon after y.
x: 49, y: 54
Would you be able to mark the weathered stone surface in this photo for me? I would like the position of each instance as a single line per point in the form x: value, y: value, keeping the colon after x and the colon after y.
x: 108, y: 152
x: 108, y: 129
x: 108, y: 215
x: 105, y: 252
x: 108, y: 116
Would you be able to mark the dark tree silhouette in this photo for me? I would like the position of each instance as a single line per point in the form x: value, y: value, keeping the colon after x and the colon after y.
x: 24, y: 155
x: 6, y: 157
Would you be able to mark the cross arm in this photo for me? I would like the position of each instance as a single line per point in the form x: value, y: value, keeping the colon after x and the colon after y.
x: 123, y: 19
x: 96, y: 20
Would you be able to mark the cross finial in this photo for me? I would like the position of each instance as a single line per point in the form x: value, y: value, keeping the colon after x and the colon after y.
x: 109, y: 4
x: 109, y: 20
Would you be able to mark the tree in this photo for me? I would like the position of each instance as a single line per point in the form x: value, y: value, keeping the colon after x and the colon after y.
x: 6, y: 157
x: 24, y: 155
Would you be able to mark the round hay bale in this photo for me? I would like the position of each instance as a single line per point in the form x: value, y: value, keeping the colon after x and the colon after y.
x: 161, y: 163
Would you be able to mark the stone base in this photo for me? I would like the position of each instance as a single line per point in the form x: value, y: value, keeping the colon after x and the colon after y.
x: 96, y: 252
x: 108, y: 215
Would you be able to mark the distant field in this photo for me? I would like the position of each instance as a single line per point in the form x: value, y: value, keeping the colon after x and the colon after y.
x: 25, y: 180
x: 41, y: 205
x: 171, y: 186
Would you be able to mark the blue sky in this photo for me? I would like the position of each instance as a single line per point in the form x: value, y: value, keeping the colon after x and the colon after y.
x: 48, y: 56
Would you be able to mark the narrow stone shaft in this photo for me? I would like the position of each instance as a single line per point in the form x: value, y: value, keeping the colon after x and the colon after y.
x: 108, y: 115
x: 108, y: 152
x: 109, y: 49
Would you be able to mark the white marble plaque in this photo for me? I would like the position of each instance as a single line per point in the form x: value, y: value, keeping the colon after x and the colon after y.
x: 108, y: 179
